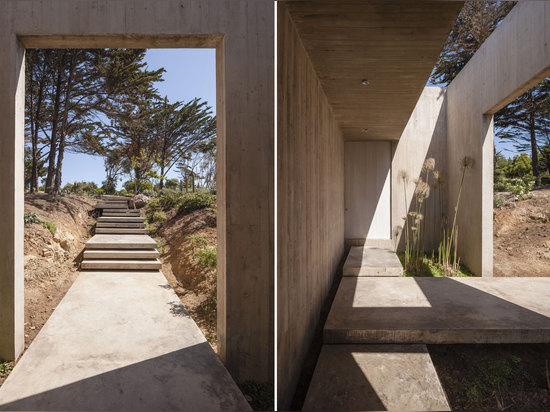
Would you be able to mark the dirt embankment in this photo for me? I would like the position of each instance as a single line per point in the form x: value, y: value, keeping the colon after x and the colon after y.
x: 51, y: 254
x: 51, y: 258
x: 522, y: 237
x: 195, y: 284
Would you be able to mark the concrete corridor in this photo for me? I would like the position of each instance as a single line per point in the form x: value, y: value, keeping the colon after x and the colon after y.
x: 120, y: 340
x: 374, y: 354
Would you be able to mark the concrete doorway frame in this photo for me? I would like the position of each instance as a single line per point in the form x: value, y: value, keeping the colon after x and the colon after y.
x: 242, y: 34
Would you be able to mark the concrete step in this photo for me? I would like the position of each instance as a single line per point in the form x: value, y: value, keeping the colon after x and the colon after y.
x: 121, y: 219
x: 372, y: 261
x: 121, y: 264
x: 127, y: 225
x: 112, y: 205
x: 121, y: 254
x: 122, y: 211
x: 375, y: 378
x: 120, y: 214
x: 439, y: 310
x: 102, y: 241
x: 120, y: 230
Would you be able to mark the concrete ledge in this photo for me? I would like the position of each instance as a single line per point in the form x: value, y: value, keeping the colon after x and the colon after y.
x: 136, y: 225
x: 375, y: 378
x: 440, y: 310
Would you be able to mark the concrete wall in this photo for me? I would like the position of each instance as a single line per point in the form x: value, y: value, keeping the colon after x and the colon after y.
x: 310, y: 204
x: 367, y: 197
x: 424, y: 137
x: 512, y: 60
x: 242, y: 33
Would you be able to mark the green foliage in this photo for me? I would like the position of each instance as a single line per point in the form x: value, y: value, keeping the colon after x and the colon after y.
x: 169, y: 198
x: 206, y: 257
x: 198, y: 200
x: 144, y: 186
x: 82, y: 188
x: 520, y: 188
x: 171, y: 184
x: 50, y: 226
x: 498, y: 202
x: 153, y: 205
x: 31, y: 218
x: 429, y: 267
x: 5, y: 368
x: 159, y: 216
x: 494, y: 377
x: 196, y: 242
x: 260, y: 393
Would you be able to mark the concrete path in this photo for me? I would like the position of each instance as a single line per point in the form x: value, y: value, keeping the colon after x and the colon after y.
x: 440, y: 310
x: 375, y: 378
x: 120, y: 341
x: 372, y: 261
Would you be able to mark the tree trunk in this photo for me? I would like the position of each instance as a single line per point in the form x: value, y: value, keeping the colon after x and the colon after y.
x: 534, y: 148
x: 62, y: 137
x: 55, y: 122
x: 161, y: 183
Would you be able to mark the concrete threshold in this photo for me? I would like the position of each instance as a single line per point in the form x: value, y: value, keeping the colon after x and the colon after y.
x: 440, y: 310
x: 120, y: 342
x: 372, y: 261
x: 375, y: 378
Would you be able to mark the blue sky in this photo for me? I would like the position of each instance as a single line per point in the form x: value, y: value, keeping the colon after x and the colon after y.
x: 189, y: 73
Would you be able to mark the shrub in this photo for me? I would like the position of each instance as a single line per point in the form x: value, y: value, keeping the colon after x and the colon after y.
x: 153, y: 205
x: 50, y: 226
x: 498, y: 202
x: 196, y: 242
x: 198, y: 200
x: 545, y: 180
x: 169, y: 198
x: 159, y: 216
x: 31, y: 218
x: 82, y: 188
x: 206, y: 257
x: 520, y: 188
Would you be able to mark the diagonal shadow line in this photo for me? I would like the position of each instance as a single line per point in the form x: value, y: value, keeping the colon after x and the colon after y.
x: 190, y: 379
x: 459, y: 313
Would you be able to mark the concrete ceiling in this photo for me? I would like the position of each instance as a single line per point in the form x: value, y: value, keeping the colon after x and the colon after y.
x: 392, y: 44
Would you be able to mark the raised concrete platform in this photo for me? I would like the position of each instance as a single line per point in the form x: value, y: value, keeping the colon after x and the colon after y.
x: 102, y: 241
x: 121, y: 254
x: 120, y: 230
x: 372, y: 261
x: 122, y: 264
x: 440, y: 310
x: 120, y: 341
x: 375, y: 378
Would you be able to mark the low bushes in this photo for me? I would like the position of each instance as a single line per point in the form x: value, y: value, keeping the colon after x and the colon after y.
x: 518, y: 187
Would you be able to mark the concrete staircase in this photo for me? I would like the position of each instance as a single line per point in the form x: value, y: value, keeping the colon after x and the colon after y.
x: 120, y: 242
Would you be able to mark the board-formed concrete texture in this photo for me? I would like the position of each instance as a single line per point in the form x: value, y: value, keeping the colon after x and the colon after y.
x: 440, y: 310
x: 120, y: 341
x: 241, y: 31
x: 512, y: 60
x: 375, y: 378
x: 372, y: 261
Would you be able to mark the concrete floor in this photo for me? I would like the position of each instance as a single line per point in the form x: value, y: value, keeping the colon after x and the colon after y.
x: 375, y: 378
x: 440, y: 310
x: 120, y: 341
x: 372, y: 261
